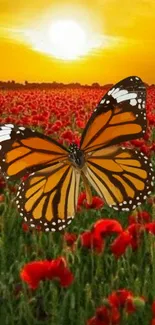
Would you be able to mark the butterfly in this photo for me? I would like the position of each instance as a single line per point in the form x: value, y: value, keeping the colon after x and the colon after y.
x: 123, y: 177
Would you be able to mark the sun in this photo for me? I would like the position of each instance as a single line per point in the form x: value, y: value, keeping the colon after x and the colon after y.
x: 68, y: 40
x: 63, y: 39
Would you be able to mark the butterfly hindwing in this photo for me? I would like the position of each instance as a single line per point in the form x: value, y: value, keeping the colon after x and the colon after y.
x: 120, y: 116
x: 24, y: 150
x: 48, y: 197
x: 123, y: 177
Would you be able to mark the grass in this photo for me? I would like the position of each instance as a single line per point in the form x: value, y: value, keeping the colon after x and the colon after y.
x: 96, y: 276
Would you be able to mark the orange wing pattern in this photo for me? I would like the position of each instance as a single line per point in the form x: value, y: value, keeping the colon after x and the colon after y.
x: 123, y: 177
x: 49, y: 196
x: 120, y: 116
x: 23, y: 150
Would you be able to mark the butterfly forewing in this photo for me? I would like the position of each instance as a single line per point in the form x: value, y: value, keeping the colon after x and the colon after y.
x: 22, y: 150
x: 120, y: 116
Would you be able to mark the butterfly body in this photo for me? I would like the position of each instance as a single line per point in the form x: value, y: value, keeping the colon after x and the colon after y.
x: 76, y: 156
x: 122, y: 176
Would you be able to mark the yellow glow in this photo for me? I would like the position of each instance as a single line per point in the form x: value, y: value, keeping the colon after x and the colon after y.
x: 117, y: 44
x: 62, y: 39
x: 68, y: 40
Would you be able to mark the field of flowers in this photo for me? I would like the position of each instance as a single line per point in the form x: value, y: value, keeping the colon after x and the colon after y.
x: 101, y: 270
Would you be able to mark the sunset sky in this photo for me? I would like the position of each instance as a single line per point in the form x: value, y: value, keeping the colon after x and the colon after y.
x: 119, y: 37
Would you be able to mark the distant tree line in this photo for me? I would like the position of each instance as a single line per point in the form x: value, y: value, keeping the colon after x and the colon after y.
x: 12, y: 85
x: 47, y: 85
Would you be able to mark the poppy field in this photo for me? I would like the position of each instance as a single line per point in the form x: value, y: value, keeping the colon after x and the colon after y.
x: 101, y: 269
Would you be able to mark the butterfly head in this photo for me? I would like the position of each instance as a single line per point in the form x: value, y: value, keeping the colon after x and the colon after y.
x: 76, y: 156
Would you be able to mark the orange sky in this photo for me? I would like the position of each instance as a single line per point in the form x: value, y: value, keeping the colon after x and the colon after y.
x: 127, y: 26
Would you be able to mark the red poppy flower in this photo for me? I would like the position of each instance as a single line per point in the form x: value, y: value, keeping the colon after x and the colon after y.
x: 35, y: 271
x: 105, y: 316
x: 150, y: 227
x: 95, y: 321
x: 97, y: 202
x: 145, y: 149
x: 24, y: 178
x: 137, y: 142
x: 118, y: 298
x: 81, y: 199
x: 136, y: 231
x: 25, y: 227
x: 153, y: 308
x: 153, y: 321
x: 92, y: 241
x: 70, y: 238
x: 109, y: 315
x: 141, y: 217
x: 124, y: 298
x: 120, y: 244
x: 67, y: 135
x: 80, y: 123
x: 105, y: 227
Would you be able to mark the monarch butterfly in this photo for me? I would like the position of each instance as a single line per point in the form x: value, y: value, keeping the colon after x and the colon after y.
x: 123, y: 177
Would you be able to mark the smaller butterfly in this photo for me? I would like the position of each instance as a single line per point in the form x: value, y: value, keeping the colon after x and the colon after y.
x: 123, y: 177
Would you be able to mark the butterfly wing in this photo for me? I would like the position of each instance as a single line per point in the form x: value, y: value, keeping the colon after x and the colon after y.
x: 123, y: 177
x: 23, y: 150
x: 120, y: 116
x: 48, y: 197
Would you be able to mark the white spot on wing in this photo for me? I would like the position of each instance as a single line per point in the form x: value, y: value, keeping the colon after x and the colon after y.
x: 10, y: 125
x: 133, y: 102
x: 111, y: 91
x: 119, y: 93
x: 102, y: 101
x: 126, y: 97
x: 115, y: 208
x: 5, y: 132
x: 5, y: 128
x: 4, y: 138
x: 22, y: 128
x: 114, y: 92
